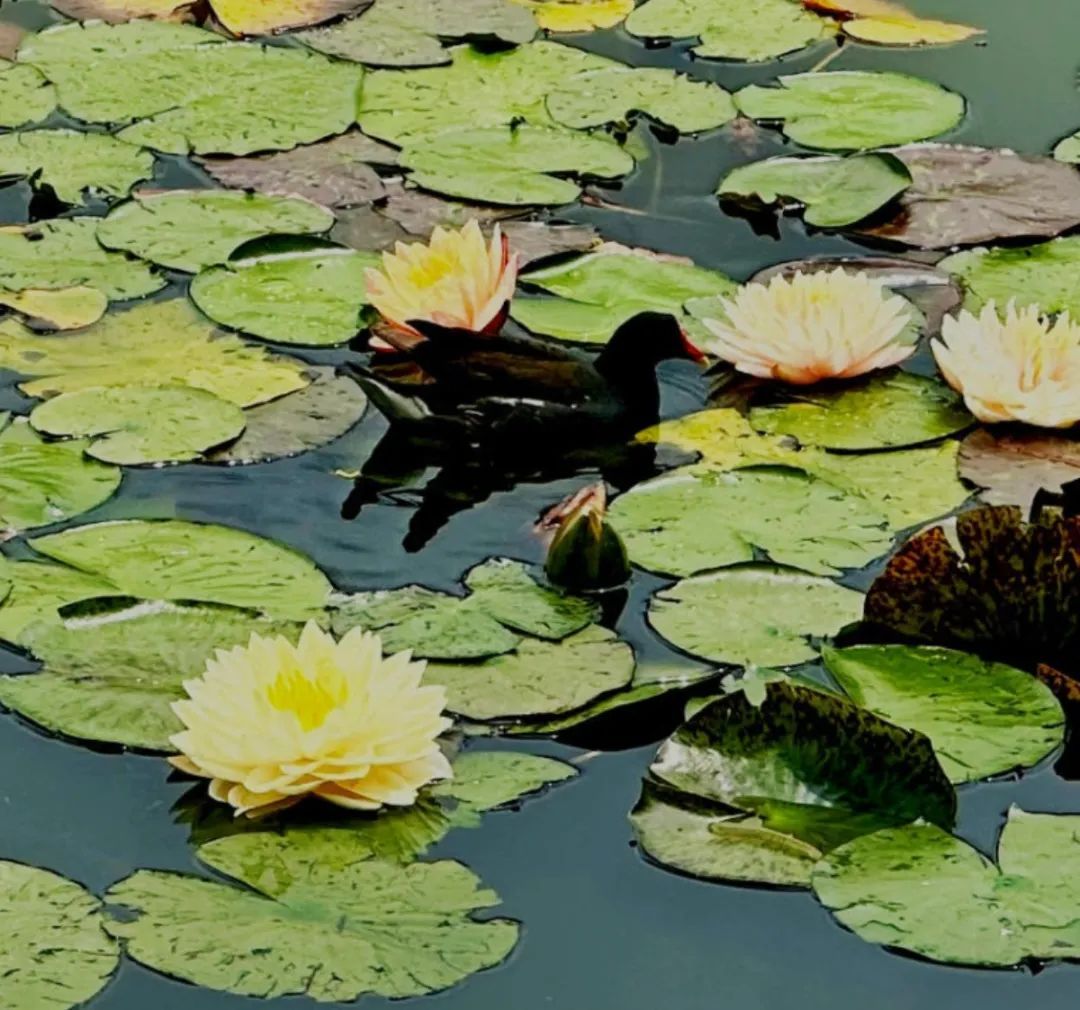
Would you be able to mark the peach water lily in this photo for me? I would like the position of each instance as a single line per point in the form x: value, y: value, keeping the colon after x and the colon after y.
x: 271, y: 723
x: 457, y: 280
x: 811, y: 327
x: 1020, y: 366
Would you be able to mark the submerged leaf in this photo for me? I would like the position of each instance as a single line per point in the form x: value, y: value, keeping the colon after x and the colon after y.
x: 753, y: 615
x: 1014, y: 467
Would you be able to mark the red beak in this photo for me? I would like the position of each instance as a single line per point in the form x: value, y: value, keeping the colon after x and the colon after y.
x: 694, y: 352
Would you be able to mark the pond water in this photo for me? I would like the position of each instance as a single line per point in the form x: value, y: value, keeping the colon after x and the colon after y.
x: 602, y: 927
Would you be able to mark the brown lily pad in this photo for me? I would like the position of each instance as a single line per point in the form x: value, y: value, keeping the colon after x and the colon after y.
x: 116, y: 11
x: 10, y: 37
x: 335, y: 173
x: 1005, y: 587
x: 419, y: 212
x: 967, y: 195
x: 1013, y: 467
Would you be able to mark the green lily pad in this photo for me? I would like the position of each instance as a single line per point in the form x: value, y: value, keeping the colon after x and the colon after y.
x: 193, y: 229
x: 196, y: 92
x: 311, y: 917
x: 25, y: 96
x: 113, y: 678
x: 1043, y: 274
x: 410, y: 33
x: 159, y: 342
x: 537, y: 678
x: 56, y: 955
x: 172, y: 560
x: 853, y: 109
x: 310, y: 296
x: 919, y: 889
x: 39, y: 590
x: 485, y: 780
x: 46, y: 482
x: 293, y: 424
x: 509, y: 165
x: 133, y: 425
x: 983, y: 718
x: 834, y: 191
x: 73, y: 164
x: 887, y: 410
x: 753, y: 615
x: 1068, y: 149
x: 809, y: 764
x: 64, y: 254
x: 696, y: 518
x: 732, y: 29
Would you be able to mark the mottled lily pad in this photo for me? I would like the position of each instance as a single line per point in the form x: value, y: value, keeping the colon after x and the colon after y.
x: 56, y: 954
x: 853, y: 109
x: 196, y: 228
x: 919, y: 889
x: 39, y: 590
x: 311, y: 917
x: 983, y: 718
x: 833, y: 191
x: 696, y: 518
x: 25, y: 96
x: 46, y: 482
x: 1014, y: 467
x: 133, y: 425
x: 73, y: 164
x: 753, y: 615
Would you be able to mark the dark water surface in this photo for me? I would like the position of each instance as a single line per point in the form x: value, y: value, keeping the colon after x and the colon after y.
x: 603, y: 929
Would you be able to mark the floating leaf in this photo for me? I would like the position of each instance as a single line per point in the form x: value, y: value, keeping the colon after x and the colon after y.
x: 601, y: 290
x: 1013, y: 467
x: 118, y: 11
x: 887, y: 410
x: 753, y: 615
x: 196, y: 228
x: 889, y: 24
x: 313, y: 917
x: 335, y: 172
x: 807, y: 763
x: 160, y: 342
x: 696, y: 518
x: 293, y: 424
x: 25, y: 96
x: 853, y: 109
x: 731, y: 29
x: 510, y: 166
x: 310, y: 296
x: 578, y: 15
x: 1014, y: 591
x: 46, y: 482
x: 1043, y: 274
x: 1068, y: 149
x: 56, y: 954
x: 132, y: 425
x: 966, y: 195
x: 72, y: 163
x: 65, y: 253
x: 113, y: 678
x: 983, y: 718
x: 252, y: 17
x: 488, y: 779
x: 919, y: 889
x: 174, y: 560
x: 61, y: 309
x: 538, y: 678
x: 39, y: 590
x: 834, y: 191
x: 196, y: 92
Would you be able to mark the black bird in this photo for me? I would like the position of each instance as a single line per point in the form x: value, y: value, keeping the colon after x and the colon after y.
x: 503, y: 388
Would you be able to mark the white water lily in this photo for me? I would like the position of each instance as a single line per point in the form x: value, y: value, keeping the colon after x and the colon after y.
x: 812, y: 327
x: 1020, y: 367
x: 271, y: 722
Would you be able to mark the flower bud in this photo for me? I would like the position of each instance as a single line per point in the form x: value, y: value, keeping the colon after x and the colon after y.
x: 586, y: 553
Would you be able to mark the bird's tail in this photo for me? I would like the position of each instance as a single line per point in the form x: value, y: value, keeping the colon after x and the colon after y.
x: 393, y: 404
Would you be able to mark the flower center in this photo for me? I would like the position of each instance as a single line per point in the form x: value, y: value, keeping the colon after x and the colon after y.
x: 310, y: 698
x: 431, y: 270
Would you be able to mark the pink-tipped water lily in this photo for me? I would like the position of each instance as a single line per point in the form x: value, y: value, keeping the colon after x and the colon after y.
x: 812, y: 327
x: 1016, y: 367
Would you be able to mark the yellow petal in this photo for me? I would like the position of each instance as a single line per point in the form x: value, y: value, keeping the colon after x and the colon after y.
x: 578, y: 15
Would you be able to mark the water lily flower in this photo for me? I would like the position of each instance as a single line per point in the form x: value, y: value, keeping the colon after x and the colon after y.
x: 586, y: 552
x: 1022, y: 367
x: 457, y: 280
x: 271, y: 722
x: 811, y: 327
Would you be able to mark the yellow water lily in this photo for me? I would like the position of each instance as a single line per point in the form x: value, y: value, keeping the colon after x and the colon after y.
x: 271, y: 722
x: 457, y: 280
x: 1020, y: 367
x: 811, y: 327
